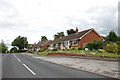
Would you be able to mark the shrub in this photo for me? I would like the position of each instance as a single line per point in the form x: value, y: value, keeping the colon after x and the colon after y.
x: 55, y: 49
x: 41, y: 50
x: 101, y: 50
x: 74, y: 48
x: 80, y: 48
x: 45, y: 49
x: 30, y: 51
x: 107, y: 48
x: 115, y: 48
x: 95, y: 45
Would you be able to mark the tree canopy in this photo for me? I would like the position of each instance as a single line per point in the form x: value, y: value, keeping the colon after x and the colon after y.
x: 112, y: 37
x: 3, y: 47
x: 13, y: 50
x: 20, y: 42
x: 58, y: 35
x: 71, y: 31
x: 43, y: 38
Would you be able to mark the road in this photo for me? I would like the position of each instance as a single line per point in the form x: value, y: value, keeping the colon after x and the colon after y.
x: 24, y: 66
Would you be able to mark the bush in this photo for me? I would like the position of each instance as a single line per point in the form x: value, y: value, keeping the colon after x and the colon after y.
x: 55, y: 49
x: 107, y: 48
x: 74, y: 48
x: 41, y: 50
x: 101, y: 50
x: 45, y: 49
x: 20, y: 51
x: 80, y: 48
x: 115, y: 48
x: 30, y: 51
x: 95, y: 45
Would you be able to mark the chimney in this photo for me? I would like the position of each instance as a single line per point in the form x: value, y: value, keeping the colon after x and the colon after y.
x: 76, y: 29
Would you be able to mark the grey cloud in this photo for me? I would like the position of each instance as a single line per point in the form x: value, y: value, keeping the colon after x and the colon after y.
x: 9, y: 13
x: 105, y: 20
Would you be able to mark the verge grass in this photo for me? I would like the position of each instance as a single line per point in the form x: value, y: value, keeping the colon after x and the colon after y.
x: 87, y: 53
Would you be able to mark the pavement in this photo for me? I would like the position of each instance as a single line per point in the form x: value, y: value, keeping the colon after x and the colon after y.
x: 26, y: 66
x: 106, y: 67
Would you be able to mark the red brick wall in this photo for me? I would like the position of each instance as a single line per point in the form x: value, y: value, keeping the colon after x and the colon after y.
x: 89, y: 38
x: 45, y: 45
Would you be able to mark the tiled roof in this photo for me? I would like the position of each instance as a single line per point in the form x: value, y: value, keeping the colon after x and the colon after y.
x: 70, y: 37
x: 44, y: 42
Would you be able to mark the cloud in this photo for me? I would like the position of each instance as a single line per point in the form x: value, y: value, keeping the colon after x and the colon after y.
x: 34, y: 18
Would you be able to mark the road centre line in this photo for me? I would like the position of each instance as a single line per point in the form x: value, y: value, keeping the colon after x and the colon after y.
x: 15, y: 55
x: 18, y: 59
x: 24, y: 65
x: 29, y: 69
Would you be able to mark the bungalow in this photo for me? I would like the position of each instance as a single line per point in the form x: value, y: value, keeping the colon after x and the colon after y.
x: 39, y: 45
x: 78, y: 39
x: 44, y: 44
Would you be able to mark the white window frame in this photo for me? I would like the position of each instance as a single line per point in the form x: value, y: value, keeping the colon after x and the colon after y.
x: 56, y: 45
x: 73, y: 43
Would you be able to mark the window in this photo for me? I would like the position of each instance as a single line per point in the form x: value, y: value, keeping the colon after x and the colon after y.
x: 56, y: 45
x: 74, y: 43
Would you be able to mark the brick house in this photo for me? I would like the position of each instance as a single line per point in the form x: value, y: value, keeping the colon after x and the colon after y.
x: 44, y: 44
x: 39, y: 45
x: 78, y: 39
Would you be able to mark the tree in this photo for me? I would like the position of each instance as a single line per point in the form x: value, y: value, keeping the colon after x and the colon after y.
x: 3, y: 47
x: 112, y: 37
x: 43, y: 38
x: 58, y: 35
x: 20, y: 42
x: 71, y: 31
x: 13, y: 50
x: 118, y: 38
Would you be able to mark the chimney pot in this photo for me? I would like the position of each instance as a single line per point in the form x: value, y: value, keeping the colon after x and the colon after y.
x: 76, y: 29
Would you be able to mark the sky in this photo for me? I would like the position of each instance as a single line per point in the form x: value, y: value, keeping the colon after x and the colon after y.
x: 36, y: 18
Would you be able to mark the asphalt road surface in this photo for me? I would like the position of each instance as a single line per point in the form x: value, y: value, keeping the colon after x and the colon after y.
x: 24, y: 66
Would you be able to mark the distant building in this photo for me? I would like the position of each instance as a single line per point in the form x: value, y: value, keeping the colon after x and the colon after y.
x: 39, y: 45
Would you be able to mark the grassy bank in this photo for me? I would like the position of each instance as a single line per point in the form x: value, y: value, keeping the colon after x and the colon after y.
x: 87, y: 53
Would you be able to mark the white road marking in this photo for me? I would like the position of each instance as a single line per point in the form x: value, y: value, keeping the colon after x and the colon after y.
x: 18, y: 59
x: 29, y: 69
x: 24, y: 65
x: 15, y: 55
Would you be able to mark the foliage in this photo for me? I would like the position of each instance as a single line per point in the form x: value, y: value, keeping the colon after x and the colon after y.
x: 13, y: 50
x: 87, y: 53
x: 55, y: 49
x: 107, y: 48
x: 74, y: 48
x: 95, y: 45
x: 3, y: 47
x: 115, y: 48
x: 58, y: 35
x: 71, y: 31
x: 112, y: 37
x: 80, y: 48
x: 43, y: 38
x: 101, y: 50
x: 29, y: 51
x: 118, y: 38
x: 41, y: 50
x: 20, y: 42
